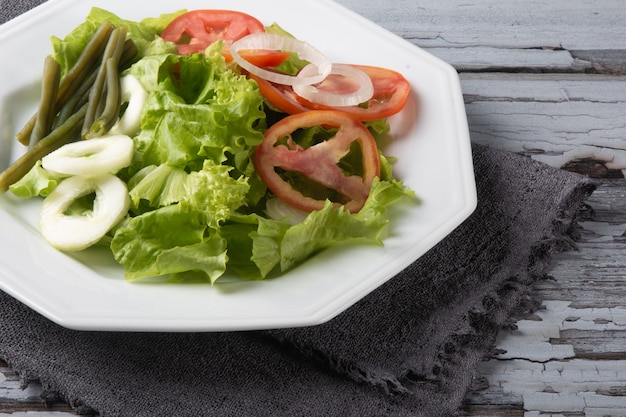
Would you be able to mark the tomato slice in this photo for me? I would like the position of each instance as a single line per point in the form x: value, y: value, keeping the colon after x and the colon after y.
x: 391, y: 92
x: 280, y: 96
x: 260, y: 57
x: 279, y: 157
x: 195, y: 30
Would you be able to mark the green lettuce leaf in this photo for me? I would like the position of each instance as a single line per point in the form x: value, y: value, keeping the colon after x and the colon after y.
x: 214, y: 193
x: 157, y: 186
x: 36, y: 182
x: 210, y: 191
x: 169, y: 240
x: 278, y: 245
x: 208, y: 112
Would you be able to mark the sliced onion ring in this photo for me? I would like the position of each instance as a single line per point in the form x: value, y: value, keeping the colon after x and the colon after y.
x: 364, y: 92
x: 75, y: 232
x: 278, y: 209
x: 270, y: 41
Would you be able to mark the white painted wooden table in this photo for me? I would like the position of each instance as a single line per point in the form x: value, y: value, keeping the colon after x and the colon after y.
x: 547, y: 80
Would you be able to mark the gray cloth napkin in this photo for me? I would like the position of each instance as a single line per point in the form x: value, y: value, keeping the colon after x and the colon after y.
x: 12, y: 8
x: 408, y: 349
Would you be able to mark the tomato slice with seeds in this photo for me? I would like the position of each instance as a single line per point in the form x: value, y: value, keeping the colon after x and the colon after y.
x: 391, y: 93
x: 195, y: 30
x: 279, y: 157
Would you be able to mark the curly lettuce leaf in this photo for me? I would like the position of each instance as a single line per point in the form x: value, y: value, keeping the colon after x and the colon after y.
x: 197, y: 110
x: 210, y: 191
x: 169, y: 240
x: 214, y: 193
x: 279, y: 245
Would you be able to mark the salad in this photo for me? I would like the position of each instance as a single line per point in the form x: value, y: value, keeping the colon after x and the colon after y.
x: 201, y: 143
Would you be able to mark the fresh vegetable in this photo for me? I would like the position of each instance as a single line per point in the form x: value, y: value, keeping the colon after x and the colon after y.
x: 135, y: 97
x: 391, y: 92
x: 63, y: 134
x: 103, y: 104
x: 280, y: 96
x: 269, y: 41
x: 77, y: 231
x: 106, y: 155
x: 165, y: 146
x: 196, y: 30
x: 307, y: 174
x: 44, y: 118
x: 344, y: 86
x: 260, y: 57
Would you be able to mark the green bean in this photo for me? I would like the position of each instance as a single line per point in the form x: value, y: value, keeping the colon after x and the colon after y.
x: 95, y: 72
x: 103, y: 98
x: 88, y: 59
x: 47, y: 104
x: 80, y: 97
x: 112, y: 104
x: 82, y: 94
x: 75, y: 76
x: 114, y: 49
x: 67, y: 132
x: 23, y: 136
x: 129, y: 54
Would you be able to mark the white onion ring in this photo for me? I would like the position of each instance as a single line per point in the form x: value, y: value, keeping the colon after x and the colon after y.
x: 270, y: 41
x: 278, y: 209
x: 75, y: 232
x: 106, y: 154
x: 135, y: 95
x: 329, y: 98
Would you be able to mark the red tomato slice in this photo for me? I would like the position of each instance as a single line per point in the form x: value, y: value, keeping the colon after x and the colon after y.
x: 281, y: 96
x: 194, y: 31
x: 260, y: 57
x: 391, y: 92
x: 318, y: 163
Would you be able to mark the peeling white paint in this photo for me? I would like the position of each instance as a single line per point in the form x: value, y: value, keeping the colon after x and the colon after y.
x: 614, y: 158
x: 553, y: 402
x: 547, y: 375
x: 604, y: 228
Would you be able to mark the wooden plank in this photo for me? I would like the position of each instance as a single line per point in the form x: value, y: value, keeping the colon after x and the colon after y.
x: 555, y: 119
x: 512, y: 35
x: 478, y: 58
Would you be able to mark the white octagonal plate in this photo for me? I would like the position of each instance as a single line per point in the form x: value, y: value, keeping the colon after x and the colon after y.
x: 87, y: 290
